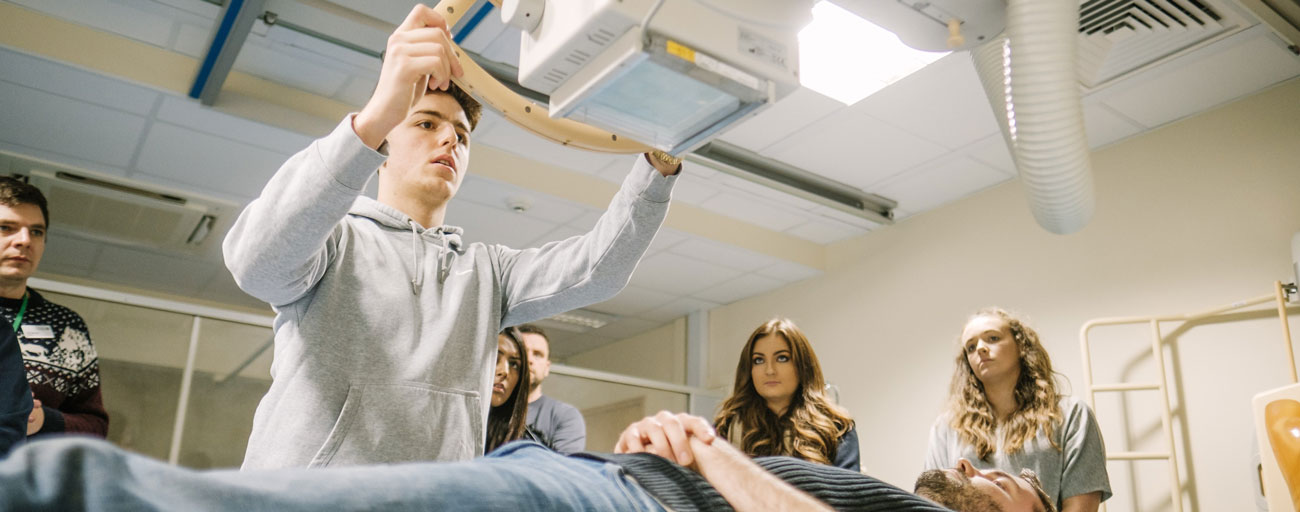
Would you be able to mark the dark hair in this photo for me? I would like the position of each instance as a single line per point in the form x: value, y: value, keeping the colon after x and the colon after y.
x: 811, y: 427
x: 506, y: 422
x: 14, y: 191
x: 473, y: 109
x: 535, y: 329
x: 934, y: 485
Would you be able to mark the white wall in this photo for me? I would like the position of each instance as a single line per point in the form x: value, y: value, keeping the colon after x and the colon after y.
x: 658, y: 354
x: 1191, y: 216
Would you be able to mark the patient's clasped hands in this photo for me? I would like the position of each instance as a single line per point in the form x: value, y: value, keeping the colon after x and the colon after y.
x: 676, y: 437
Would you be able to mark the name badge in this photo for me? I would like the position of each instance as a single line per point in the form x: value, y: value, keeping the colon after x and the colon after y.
x: 35, y: 332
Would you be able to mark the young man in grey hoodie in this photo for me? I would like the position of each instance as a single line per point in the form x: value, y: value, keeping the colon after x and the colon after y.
x: 385, y: 328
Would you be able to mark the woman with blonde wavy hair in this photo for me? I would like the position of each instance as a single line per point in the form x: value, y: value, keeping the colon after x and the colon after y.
x: 778, y: 405
x: 1004, y: 412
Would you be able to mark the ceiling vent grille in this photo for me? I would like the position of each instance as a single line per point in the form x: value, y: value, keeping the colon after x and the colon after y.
x: 1120, y: 36
x: 115, y: 211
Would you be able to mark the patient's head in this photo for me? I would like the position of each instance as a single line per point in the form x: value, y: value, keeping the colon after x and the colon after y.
x: 967, y: 489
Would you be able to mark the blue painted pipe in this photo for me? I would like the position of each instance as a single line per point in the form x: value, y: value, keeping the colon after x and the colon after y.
x: 218, y: 44
x: 472, y: 22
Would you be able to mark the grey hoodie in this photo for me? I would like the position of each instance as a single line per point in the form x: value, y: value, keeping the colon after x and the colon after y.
x: 385, y: 332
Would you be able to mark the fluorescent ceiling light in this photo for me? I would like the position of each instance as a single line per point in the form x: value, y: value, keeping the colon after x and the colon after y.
x: 848, y: 58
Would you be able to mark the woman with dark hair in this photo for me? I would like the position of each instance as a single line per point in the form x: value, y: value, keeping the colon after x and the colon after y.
x: 509, y: 413
x: 778, y: 405
x: 1004, y: 412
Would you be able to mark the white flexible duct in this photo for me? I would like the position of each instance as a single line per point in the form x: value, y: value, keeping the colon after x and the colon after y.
x: 1048, y: 143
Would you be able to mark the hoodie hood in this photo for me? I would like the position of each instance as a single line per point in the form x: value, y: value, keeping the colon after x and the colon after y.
x: 448, y: 237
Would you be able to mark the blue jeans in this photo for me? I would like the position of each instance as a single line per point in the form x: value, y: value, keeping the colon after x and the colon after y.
x: 78, y: 473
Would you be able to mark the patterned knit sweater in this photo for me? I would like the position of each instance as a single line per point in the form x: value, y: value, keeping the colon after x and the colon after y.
x: 682, y: 490
x: 62, y: 366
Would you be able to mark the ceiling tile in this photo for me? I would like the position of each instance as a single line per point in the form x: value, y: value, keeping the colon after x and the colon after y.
x: 115, y: 17
x: 356, y: 91
x: 670, y: 273
x: 632, y: 301
x: 192, y: 40
x: 801, y: 108
x: 193, y: 115
x: 568, y: 346
x: 942, y: 103
x: 855, y: 149
x: 391, y: 11
x: 993, y: 152
x: 693, y: 190
x: 505, y: 47
x: 763, y: 192
x: 742, y: 287
x: 69, y: 127
x: 333, y: 55
x: 1226, y: 70
x: 1104, y: 126
x: 625, y: 328
x: 488, y: 29
x: 211, y: 163
x: 789, y: 271
x: 294, y: 68
x: 745, y: 209
x: 699, y: 170
x: 934, y: 185
x: 511, y: 138
x: 678, y: 308
x: 825, y: 231
x: 826, y: 212
x: 63, y: 80
x: 501, y: 195
x: 737, y: 258
x: 493, y: 226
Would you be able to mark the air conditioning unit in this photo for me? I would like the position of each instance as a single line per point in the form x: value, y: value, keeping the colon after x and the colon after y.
x: 113, y: 210
x: 1120, y: 37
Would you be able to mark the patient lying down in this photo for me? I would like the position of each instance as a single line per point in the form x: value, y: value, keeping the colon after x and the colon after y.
x: 664, y: 462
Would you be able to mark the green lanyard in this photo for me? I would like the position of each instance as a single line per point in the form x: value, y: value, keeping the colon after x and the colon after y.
x: 18, y: 320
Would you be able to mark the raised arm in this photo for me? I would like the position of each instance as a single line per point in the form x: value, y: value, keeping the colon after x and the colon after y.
x: 583, y: 270
x: 278, y: 248
x: 688, y: 440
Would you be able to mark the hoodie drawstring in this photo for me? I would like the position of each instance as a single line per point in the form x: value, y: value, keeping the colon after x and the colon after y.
x: 444, y: 260
x: 417, y: 250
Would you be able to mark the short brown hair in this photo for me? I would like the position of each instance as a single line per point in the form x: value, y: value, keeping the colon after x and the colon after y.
x: 473, y: 109
x: 15, y: 191
x: 535, y: 329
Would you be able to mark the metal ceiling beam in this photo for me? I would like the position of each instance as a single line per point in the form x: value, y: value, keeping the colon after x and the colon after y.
x: 228, y: 36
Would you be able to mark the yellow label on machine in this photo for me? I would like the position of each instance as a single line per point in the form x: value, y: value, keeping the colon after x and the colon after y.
x: 685, y: 53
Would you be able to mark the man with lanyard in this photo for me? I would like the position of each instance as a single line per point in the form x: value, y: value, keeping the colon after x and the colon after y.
x: 62, y: 368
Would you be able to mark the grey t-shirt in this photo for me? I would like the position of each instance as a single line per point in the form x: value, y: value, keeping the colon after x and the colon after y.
x: 559, y: 425
x: 1078, y: 468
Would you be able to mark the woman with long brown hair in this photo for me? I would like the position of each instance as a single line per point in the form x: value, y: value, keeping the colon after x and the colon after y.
x: 778, y: 405
x: 508, y: 416
x: 1004, y: 412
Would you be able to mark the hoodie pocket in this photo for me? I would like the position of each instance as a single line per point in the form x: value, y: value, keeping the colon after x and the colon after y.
x: 403, y: 422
